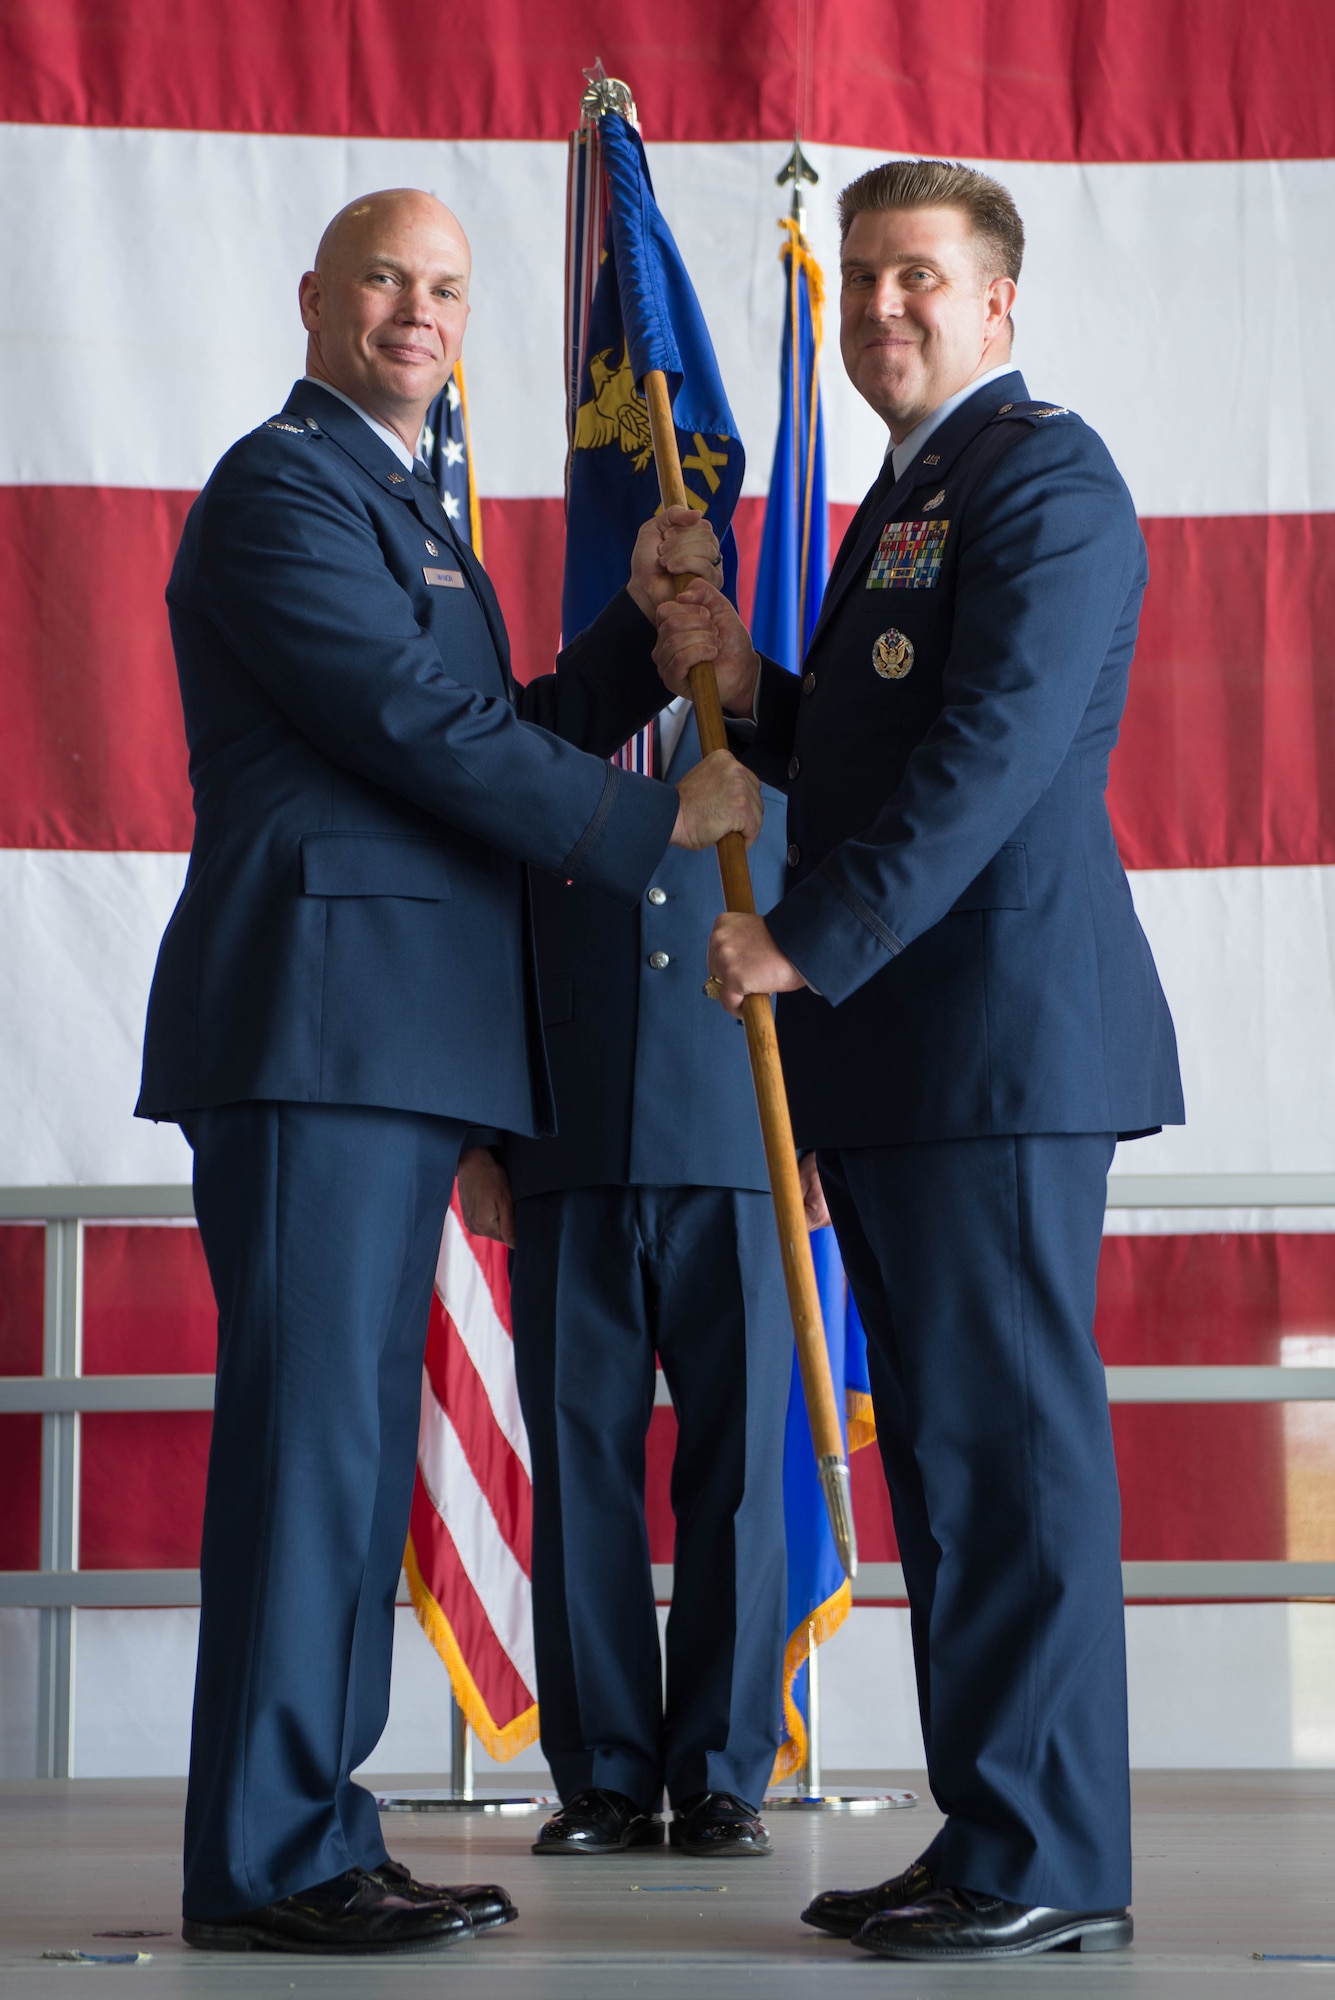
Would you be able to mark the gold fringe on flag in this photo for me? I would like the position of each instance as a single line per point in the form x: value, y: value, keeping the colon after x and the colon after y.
x: 823, y: 1623
x: 826, y: 1619
x: 861, y: 1418
x: 796, y: 253
x: 474, y: 503
x: 500, y: 1742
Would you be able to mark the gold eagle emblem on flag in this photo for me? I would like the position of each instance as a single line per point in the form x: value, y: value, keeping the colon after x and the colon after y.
x: 614, y: 413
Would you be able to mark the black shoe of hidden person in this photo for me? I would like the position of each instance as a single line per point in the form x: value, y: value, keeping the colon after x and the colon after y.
x: 485, y: 1904
x: 718, y: 1826
x: 598, y: 1822
x: 352, y: 1913
x: 843, y: 1912
x: 961, y: 1923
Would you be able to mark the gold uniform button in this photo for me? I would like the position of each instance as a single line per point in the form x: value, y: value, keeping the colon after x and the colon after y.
x: 659, y: 960
x: 794, y: 854
x: 794, y: 766
x: 657, y: 896
x: 808, y: 683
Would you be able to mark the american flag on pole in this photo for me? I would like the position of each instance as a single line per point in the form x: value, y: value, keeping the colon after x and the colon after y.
x: 469, y: 1554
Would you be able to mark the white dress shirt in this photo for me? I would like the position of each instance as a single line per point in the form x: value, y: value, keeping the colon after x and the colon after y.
x: 382, y: 431
x: 671, y: 722
x: 902, y: 454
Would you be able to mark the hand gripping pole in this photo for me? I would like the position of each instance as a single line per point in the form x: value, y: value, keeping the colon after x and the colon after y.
x: 766, y: 1072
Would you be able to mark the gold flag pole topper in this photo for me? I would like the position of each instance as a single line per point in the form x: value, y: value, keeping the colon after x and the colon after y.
x: 610, y: 94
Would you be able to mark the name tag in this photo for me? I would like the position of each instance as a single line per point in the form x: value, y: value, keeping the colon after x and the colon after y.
x: 908, y: 556
x: 445, y: 579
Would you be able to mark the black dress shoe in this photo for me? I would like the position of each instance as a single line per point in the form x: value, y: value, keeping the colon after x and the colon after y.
x: 485, y: 1904
x: 598, y: 1822
x: 961, y: 1923
x: 354, y: 1912
x: 718, y: 1825
x: 843, y: 1912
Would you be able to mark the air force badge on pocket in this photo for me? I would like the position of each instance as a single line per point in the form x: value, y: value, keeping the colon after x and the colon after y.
x: 908, y: 556
x: 892, y: 655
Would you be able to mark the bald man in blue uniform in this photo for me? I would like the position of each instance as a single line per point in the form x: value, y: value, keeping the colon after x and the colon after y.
x: 969, y: 1018
x: 346, y: 984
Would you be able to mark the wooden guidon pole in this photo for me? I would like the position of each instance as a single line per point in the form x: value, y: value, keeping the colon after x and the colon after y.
x: 767, y: 1074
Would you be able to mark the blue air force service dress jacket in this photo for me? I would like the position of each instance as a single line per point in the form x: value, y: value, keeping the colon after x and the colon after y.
x: 954, y: 892
x: 368, y: 788
x: 652, y: 1081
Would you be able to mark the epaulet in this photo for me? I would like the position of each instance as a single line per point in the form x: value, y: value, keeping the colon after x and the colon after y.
x: 296, y: 426
x: 1032, y: 413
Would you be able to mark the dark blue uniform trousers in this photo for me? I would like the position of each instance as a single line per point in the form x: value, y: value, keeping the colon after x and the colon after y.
x: 321, y: 1225
x: 603, y: 1278
x: 973, y: 1264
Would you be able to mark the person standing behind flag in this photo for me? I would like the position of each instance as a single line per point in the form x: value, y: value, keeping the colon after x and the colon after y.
x: 644, y: 1228
x: 345, y: 986
x: 970, y: 1017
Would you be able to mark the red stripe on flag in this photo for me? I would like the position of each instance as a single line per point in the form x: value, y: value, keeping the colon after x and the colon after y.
x: 525, y: 542
x: 460, y: 1393
x: 997, y: 79
x: 445, y: 1577
x: 92, y: 746
x: 1227, y: 753
x: 1227, y: 757
x: 1225, y: 1482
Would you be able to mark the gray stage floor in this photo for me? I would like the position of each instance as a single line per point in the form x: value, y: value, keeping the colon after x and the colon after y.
x: 1228, y: 1864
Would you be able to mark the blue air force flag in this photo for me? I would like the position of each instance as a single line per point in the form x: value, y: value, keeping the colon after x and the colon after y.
x: 630, y: 309
x: 790, y: 581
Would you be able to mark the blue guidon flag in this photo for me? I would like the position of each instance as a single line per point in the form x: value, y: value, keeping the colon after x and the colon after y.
x: 790, y: 581
x: 630, y: 307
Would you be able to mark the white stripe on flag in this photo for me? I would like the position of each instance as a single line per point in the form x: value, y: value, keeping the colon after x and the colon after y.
x: 1247, y: 957
x: 466, y: 1297
x: 487, y: 1559
x: 1214, y: 1221
x: 1214, y: 409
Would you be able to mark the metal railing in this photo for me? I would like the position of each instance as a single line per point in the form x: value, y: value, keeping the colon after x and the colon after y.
x: 62, y: 1395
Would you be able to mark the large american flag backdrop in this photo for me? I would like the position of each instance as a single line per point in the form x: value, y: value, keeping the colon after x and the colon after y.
x: 165, y: 169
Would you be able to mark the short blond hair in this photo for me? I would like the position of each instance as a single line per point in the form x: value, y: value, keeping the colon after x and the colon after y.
x: 992, y: 213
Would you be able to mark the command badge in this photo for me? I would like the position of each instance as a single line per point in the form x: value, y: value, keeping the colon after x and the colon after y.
x: 892, y: 655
